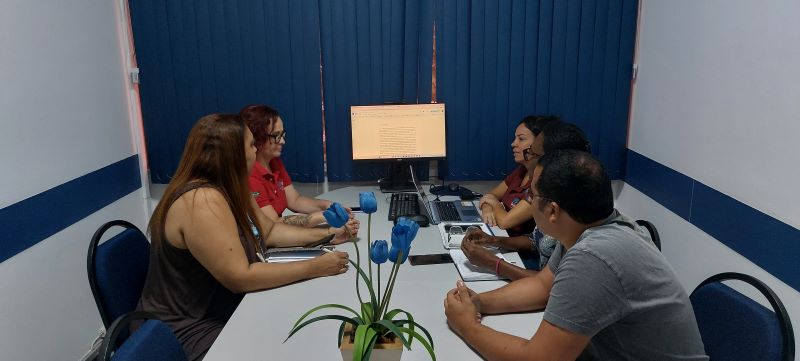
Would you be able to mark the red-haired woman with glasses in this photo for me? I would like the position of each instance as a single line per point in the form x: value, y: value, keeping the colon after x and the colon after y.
x: 269, y: 181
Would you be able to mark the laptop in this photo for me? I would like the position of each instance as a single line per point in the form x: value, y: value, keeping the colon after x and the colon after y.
x: 446, y: 211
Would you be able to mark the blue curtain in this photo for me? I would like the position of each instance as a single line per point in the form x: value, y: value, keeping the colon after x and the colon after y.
x: 373, y: 52
x: 198, y: 57
x: 498, y: 61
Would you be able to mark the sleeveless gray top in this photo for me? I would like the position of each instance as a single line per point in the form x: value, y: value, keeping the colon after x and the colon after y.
x: 185, y: 296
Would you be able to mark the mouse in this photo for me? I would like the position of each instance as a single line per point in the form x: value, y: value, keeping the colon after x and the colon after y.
x: 453, y: 187
x: 421, y: 219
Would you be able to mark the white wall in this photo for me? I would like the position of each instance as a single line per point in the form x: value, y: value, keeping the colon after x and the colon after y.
x: 65, y: 113
x: 717, y: 98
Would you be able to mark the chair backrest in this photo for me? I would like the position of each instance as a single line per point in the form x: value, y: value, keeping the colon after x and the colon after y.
x: 117, y: 270
x: 653, y: 231
x: 152, y: 341
x: 734, y: 327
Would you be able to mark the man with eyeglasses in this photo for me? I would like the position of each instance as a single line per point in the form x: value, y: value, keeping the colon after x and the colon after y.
x: 607, y: 292
x: 537, y: 247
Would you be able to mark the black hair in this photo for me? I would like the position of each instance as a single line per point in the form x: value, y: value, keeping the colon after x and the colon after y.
x: 560, y: 136
x: 578, y: 183
x: 535, y: 123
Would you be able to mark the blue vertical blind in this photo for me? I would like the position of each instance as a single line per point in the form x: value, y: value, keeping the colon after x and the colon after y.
x: 198, y: 57
x: 498, y: 61
x: 373, y: 52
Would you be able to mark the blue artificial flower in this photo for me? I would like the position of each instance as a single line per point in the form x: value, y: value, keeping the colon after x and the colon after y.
x: 379, y: 252
x: 336, y: 215
x: 405, y: 230
x: 403, y: 234
x: 367, y: 202
x: 394, y: 252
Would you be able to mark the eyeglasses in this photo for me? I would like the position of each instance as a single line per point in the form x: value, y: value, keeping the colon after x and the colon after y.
x: 458, y: 231
x: 529, y: 196
x: 277, y: 137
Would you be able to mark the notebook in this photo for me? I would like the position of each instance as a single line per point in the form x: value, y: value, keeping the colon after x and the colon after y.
x: 471, y: 272
x: 292, y: 254
x: 441, y: 211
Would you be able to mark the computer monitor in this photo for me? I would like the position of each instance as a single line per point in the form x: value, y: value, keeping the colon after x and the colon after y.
x: 399, y: 133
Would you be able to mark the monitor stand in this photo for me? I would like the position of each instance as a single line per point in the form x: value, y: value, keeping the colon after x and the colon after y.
x: 398, y: 178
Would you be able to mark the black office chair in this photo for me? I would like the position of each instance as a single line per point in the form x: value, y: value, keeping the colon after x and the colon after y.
x: 734, y: 327
x: 653, y: 231
x: 152, y: 341
x: 117, y: 269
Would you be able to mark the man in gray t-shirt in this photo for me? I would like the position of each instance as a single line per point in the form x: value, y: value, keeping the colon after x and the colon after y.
x: 607, y: 292
x: 629, y: 300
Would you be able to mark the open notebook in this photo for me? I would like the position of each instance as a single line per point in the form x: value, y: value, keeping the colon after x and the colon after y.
x: 471, y: 272
x: 292, y: 254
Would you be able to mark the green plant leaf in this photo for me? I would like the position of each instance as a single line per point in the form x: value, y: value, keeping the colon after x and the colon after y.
x: 413, y: 324
x: 329, y: 305
x: 395, y: 330
x: 363, y: 339
x: 422, y: 340
x: 370, y: 347
x: 391, y: 314
x: 387, y: 293
x: 364, y: 277
x: 367, y: 312
x: 320, y: 318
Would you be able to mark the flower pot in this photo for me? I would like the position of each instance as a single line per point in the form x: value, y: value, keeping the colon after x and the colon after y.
x: 384, y: 350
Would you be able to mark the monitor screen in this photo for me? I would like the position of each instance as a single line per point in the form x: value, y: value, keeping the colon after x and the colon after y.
x: 405, y: 131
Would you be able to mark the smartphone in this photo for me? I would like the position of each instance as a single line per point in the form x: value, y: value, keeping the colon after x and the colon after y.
x: 423, y: 259
x: 355, y: 209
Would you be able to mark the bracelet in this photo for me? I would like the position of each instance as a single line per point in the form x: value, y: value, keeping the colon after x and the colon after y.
x: 497, y: 266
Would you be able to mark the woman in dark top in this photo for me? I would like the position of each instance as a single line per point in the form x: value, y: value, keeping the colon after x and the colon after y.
x: 552, y: 137
x: 504, y: 206
x: 208, y: 236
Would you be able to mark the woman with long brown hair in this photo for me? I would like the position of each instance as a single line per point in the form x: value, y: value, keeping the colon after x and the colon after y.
x: 208, y: 235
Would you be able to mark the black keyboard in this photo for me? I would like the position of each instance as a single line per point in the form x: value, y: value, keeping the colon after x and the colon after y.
x: 403, y: 204
x: 447, y: 211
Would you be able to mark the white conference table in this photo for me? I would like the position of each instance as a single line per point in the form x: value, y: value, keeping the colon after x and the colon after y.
x: 263, y: 319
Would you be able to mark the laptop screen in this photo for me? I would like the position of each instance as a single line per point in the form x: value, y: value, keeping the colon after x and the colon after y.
x: 419, y: 188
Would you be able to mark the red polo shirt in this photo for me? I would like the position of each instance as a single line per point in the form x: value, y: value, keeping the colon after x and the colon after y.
x: 515, y: 194
x: 269, y: 187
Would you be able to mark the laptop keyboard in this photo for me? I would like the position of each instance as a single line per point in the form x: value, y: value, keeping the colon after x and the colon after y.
x: 447, y: 211
x: 403, y: 204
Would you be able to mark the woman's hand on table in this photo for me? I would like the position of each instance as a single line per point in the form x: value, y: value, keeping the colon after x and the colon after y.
x: 487, y: 215
x: 331, y: 263
x: 346, y: 233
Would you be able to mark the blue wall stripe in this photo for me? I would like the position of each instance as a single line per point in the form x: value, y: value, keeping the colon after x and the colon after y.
x: 32, y: 220
x: 764, y: 240
x: 666, y: 186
